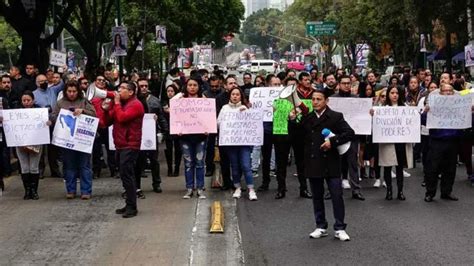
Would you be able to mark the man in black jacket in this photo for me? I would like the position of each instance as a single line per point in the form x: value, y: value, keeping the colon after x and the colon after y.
x: 323, y: 162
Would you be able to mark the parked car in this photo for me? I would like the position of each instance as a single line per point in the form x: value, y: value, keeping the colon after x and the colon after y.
x: 244, y: 68
x: 266, y: 65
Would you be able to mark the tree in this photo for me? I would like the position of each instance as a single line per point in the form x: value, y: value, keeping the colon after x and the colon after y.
x: 30, y: 23
x: 9, y: 41
x: 261, y: 27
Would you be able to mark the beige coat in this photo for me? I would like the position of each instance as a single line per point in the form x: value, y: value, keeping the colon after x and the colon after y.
x: 388, y: 157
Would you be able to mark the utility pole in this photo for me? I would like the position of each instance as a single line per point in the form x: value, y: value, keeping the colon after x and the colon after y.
x: 144, y: 35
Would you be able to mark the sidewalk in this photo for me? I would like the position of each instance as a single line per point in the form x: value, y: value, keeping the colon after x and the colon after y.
x: 167, y: 231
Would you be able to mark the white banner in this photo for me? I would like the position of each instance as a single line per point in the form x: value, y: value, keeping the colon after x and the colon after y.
x: 25, y: 127
x: 469, y: 55
x: 241, y: 128
x: 148, y: 134
x: 119, y: 41
x: 396, y: 125
x: 449, y: 111
x: 356, y: 112
x: 75, y: 132
x: 57, y: 58
x: 160, y: 34
x: 262, y: 99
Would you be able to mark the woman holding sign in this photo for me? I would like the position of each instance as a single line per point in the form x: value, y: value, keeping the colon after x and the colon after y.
x: 193, y: 147
x: 29, y: 156
x: 399, y: 155
x: 75, y: 163
x: 239, y: 155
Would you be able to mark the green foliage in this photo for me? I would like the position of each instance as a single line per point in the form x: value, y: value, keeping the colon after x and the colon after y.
x: 9, y: 39
x: 261, y: 27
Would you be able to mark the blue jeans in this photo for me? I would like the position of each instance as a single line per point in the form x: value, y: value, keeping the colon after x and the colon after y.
x: 240, y: 163
x: 194, y: 154
x: 77, y: 165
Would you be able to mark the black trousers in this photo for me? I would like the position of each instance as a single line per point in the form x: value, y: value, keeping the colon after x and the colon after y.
x: 102, y: 138
x: 154, y: 165
x: 387, y: 175
x: 127, y: 159
x: 173, y: 148
x: 225, y: 167
x: 335, y: 189
x: 210, y: 149
x: 266, y: 158
x: 442, y: 159
x: 350, y: 165
x: 282, y: 150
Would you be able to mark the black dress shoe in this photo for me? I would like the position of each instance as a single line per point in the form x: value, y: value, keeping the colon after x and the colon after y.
x: 157, y: 190
x: 121, y: 210
x: 225, y: 187
x: 400, y: 196
x: 389, y: 195
x: 262, y: 188
x: 327, y: 196
x: 305, y: 194
x: 129, y: 213
x: 358, y: 196
x: 428, y: 198
x: 449, y: 197
x: 280, y: 195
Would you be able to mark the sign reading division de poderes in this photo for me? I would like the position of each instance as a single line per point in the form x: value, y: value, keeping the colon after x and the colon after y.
x: 396, y: 125
x: 75, y: 132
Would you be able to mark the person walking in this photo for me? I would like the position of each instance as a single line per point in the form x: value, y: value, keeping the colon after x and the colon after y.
x: 126, y: 115
x: 75, y: 163
x: 239, y: 155
x: 323, y: 162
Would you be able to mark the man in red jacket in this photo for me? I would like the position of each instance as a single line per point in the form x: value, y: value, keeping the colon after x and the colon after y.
x: 127, y: 117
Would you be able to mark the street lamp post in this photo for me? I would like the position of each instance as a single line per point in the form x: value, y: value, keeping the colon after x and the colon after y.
x: 119, y: 22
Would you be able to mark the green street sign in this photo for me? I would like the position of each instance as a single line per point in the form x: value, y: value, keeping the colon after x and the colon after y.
x: 320, y: 28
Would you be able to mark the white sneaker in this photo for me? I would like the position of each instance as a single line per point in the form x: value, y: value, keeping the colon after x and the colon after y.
x: 318, y: 233
x: 237, y: 193
x: 342, y: 235
x: 252, y: 195
x: 394, y: 175
x: 200, y: 194
x: 406, y: 174
x: 189, y: 194
x: 345, y: 184
x: 384, y: 184
x: 377, y: 183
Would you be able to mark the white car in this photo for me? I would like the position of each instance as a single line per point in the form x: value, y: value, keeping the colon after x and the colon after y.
x: 244, y: 68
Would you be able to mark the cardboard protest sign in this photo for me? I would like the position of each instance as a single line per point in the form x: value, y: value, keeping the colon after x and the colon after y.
x: 75, y: 132
x: 26, y: 127
x: 396, y: 125
x: 356, y: 112
x: 280, y: 115
x: 241, y: 128
x: 262, y: 99
x: 148, y: 134
x: 193, y: 116
x: 449, y: 111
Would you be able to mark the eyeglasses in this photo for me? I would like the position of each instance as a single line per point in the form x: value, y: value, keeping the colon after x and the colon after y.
x: 100, y: 80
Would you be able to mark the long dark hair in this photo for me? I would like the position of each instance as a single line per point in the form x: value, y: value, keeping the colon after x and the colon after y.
x: 363, y: 90
x: 185, y: 88
x: 401, y: 97
x: 73, y: 83
x: 243, y: 99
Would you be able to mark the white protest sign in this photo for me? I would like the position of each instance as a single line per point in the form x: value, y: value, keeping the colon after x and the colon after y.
x: 26, y: 127
x: 356, y: 112
x: 449, y: 111
x: 396, y: 125
x: 241, y: 128
x: 75, y: 132
x: 193, y: 116
x: 57, y: 58
x: 148, y: 134
x: 262, y: 99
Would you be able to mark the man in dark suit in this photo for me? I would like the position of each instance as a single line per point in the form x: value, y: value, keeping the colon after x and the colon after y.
x: 323, y: 162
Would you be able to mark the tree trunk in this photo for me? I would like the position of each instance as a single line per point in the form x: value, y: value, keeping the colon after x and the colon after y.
x: 449, y: 55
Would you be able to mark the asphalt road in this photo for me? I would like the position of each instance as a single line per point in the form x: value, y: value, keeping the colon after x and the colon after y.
x: 413, y: 232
